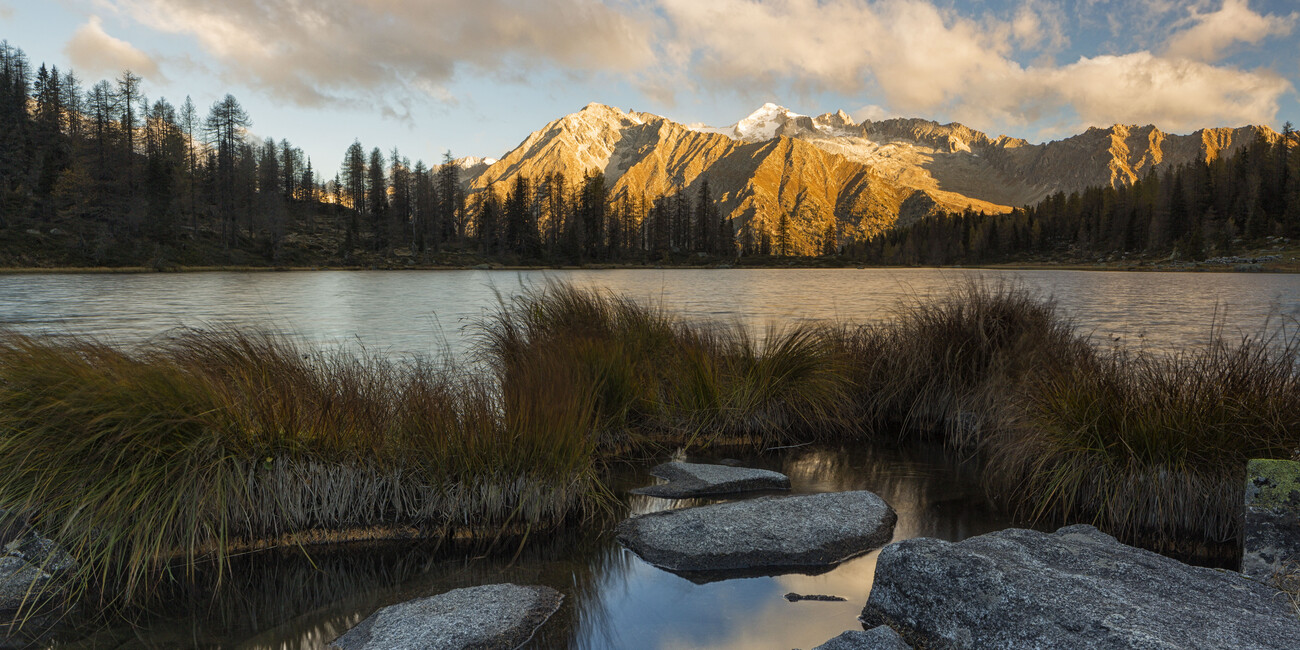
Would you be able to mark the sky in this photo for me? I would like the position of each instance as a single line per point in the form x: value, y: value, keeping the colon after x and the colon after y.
x: 476, y: 77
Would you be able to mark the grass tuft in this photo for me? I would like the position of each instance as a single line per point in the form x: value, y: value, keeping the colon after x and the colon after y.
x: 656, y: 377
x: 1151, y: 445
x: 144, y: 464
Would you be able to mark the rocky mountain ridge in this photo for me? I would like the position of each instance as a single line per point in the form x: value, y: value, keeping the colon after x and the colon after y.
x: 865, y: 176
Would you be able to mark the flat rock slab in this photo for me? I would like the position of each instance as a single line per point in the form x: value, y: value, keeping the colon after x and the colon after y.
x: 1075, y: 588
x: 1272, y: 522
x: 689, y: 480
x: 488, y: 617
x: 877, y: 638
x: 815, y: 530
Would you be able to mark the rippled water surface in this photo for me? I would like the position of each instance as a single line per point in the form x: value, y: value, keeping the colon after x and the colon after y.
x: 423, y: 311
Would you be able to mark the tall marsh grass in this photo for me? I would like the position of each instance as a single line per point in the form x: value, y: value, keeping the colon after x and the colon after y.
x: 656, y: 376
x: 1149, y: 444
x: 941, y: 368
x: 147, y: 463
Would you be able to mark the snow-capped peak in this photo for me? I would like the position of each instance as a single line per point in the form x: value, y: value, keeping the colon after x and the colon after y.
x: 470, y: 162
x: 772, y: 120
x: 764, y: 123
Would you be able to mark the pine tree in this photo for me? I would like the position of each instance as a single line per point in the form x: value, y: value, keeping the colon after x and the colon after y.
x: 189, y: 120
x: 830, y: 240
x: 451, y: 202
x: 224, y: 128
x: 377, y: 199
x: 488, y: 227
x: 591, y: 213
x: 783, y: 234
x: 705, y: 220
x: 352, y: 193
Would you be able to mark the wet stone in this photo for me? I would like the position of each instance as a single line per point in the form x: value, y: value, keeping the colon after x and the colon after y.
x: 877, y: 638
x: 794, y: 598
x: 1075, y: 588
x: 690, y: 480
x: 503, y: 616
x: 28, y: 566
x: 1272, y: 520
x: 815, y: 530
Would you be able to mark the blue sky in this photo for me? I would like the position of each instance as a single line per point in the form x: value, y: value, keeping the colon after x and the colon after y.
x: 476, y: 77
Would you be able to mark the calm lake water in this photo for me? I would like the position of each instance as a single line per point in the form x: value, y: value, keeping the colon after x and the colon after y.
x: 613, y: 599
x: 422, y: 312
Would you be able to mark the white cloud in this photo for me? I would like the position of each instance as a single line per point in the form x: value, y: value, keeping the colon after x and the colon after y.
x: 872, y: 113
x: 913, y: 57
x: 923, y: 59
x: 94, y: 51
x: 1039, y: 24
x: 313, y: 52
x: 1177, y: 94
x: 1212, y: 33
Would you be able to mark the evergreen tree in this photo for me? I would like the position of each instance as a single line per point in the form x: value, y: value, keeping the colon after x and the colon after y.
x: 783, y: 234
x: 224, y: 128
x: 352, y: 193
x: 377, y: 193
x: 451, y: 202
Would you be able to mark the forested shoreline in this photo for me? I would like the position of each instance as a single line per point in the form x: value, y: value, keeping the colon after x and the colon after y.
x: 1191, y: 212
x: 106, y: 177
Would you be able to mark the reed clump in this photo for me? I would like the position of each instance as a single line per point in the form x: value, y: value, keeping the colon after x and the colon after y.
x: 143, y: 463
x: 943, y: 366
x: 658, y: 377
x: 1151, y: 445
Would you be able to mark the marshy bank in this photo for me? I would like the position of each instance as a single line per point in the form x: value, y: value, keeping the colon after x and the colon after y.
x: 157, y: 465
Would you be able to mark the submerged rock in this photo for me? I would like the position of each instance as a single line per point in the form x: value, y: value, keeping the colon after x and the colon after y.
x: 491, y: 616
x: 794, y: 598
x: 689, y: 480
x: 1272, y: 522
x: 29, y: 565
x: 1075, y: 588
x: 815, y: 530
x: 877, y: 638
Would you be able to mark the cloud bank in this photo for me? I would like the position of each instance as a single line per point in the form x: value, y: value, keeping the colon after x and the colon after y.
x: 919, y: 57
x: 924, y: 59
x: 313, y: 52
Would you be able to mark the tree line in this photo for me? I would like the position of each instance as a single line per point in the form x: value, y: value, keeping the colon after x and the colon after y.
x: 119, y: 172
x: 114, y: 177
x: 125, y: 178
x: 1197, y: 210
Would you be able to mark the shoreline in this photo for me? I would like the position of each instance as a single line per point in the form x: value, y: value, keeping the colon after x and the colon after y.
x: 1285, y: 268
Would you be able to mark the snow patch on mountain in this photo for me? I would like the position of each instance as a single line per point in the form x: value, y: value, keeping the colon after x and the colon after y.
x: 764, y: 123
x: 470, y: 162
x: 772, y: 120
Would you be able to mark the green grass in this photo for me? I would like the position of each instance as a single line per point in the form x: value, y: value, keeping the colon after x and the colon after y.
x: 151, y: 463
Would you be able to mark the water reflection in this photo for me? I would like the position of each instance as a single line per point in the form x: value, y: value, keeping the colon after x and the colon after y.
x: 420, y: 312
x: 288, y: 601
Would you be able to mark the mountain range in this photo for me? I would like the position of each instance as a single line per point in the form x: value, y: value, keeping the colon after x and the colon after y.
x: 867, y: 176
